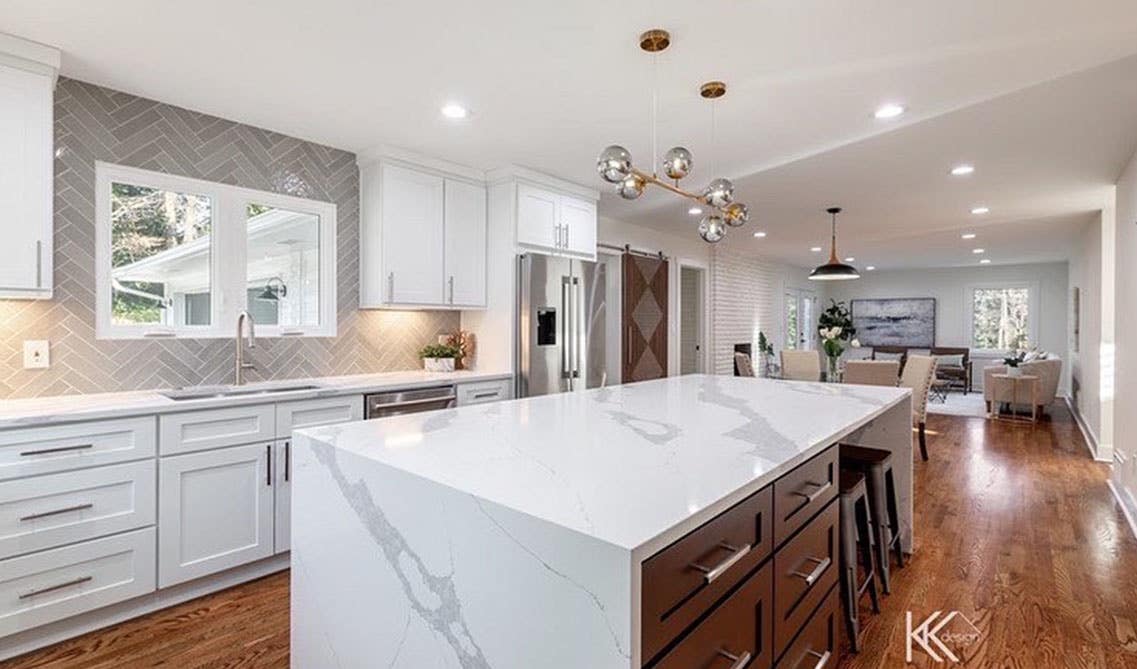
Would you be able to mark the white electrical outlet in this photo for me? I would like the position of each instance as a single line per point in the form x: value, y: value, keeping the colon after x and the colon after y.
x: 37, y: 354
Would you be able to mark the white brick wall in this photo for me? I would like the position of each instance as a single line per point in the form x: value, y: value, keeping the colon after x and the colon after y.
x: 746, y: 297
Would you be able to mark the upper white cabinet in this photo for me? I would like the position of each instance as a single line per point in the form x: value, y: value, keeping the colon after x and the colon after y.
x: 27, y: 83
x: 423, y: 237
x: 555, y: 222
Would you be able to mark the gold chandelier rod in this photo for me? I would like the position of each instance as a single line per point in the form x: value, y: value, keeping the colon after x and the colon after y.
x: 651, y: 178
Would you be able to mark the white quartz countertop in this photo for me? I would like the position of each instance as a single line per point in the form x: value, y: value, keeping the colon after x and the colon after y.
x: 622, y: 464
x: 63, y: 408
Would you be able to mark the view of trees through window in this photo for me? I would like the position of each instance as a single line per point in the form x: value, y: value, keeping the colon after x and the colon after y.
x: 1000, y: 318
x: 148, y: 222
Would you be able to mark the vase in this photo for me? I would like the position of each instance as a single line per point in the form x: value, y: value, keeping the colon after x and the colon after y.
x: 438, y: 364
x: 1014, y: 371
x: 832, y: 375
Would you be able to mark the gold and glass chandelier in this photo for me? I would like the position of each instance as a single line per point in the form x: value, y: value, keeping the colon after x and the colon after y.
x: 615, y: 165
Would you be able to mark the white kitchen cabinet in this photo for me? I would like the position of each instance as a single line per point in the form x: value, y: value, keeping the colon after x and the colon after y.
x: 481, y: 392
x: 555, y: 222
x: 313, y: 413
x: 215, y: 511
x: 26, y: 178
x: 214, y: 428
x: 282, y: 497
x: 412, y: 236
x: 55, y: 448
x: 465, y: 234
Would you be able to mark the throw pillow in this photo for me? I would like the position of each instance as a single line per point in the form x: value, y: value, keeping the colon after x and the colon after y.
x: 949, y: 360
x: 888, y: 356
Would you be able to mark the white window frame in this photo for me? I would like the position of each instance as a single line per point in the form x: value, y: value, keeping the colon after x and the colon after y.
x: 227, y: 256
x: 1032, y: 321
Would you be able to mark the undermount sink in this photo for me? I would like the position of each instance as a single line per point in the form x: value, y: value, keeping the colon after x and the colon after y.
x: 206, y: 392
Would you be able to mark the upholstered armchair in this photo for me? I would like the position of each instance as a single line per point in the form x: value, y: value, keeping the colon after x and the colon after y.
x: 872, y: 372
x: 958, y: 374
x: 1049, y: 373
x: 917, y: 375
x: 798, y: 365
x: 743, y: 364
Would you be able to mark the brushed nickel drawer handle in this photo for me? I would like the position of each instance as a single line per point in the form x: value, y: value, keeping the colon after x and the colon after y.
x: 811, y: 577
x: 711, y: 574
x: 822, y: 658
x: 739, y: 661
x: 812, y: 497
x: 482, y: 396
x: 59, y: 449
x: 47, y: 514
x: 58, y: 586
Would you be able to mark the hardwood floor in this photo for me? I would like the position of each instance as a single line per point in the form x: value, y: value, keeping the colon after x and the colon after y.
x: 1016, y: 530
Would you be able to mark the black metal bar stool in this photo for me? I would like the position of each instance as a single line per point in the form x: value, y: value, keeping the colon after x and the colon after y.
x: 856, y: 520
x: 876, y: 465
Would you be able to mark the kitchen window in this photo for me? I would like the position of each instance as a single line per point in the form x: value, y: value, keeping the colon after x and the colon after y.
x: 180, y: 257
x: 1003, y: 317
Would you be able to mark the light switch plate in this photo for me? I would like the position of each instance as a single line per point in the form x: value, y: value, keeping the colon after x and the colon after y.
x: 37, y: 354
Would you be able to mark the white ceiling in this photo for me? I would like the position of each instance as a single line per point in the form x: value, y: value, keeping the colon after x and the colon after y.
x: 549, y: 84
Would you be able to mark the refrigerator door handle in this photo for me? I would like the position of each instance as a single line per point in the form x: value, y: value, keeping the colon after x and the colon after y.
x: 578, y: 325
x: 566, y: 329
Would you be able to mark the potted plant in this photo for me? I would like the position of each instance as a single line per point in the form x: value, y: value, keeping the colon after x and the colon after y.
x: 1013, y: 361
x: 837, y: 315
x: 439, y: 357
x: 766, y: 350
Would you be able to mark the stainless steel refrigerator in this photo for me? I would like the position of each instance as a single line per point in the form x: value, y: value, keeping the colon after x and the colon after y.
x: 561, y: 325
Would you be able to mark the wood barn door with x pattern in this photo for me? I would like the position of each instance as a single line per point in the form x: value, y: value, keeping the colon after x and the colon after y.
x: 644, y: 318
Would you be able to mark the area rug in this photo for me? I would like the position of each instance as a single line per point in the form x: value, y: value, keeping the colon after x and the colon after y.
x: 958, y: 404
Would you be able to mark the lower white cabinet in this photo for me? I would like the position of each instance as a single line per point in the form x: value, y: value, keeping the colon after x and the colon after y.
x: 51, y: 585
x: 282, y: 497
x: 215, y: 511
x: 481, y: 392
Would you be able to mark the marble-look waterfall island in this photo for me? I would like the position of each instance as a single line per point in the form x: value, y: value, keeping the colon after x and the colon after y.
x: 686, y: 522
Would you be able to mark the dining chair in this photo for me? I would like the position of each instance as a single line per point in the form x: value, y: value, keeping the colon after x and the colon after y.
x: 872, y: 372
x: 798, y: 365
x: 744, y: 364
x: 917, y: 375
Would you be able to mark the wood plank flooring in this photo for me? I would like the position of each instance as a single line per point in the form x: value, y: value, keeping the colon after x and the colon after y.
x: 1017, y: 530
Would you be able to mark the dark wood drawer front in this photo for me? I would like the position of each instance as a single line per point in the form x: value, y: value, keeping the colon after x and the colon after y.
x: 803, y: 492
x: 804, y: 571
x: 683, y: 580
x: 817, y: 645
x: 736, y: 635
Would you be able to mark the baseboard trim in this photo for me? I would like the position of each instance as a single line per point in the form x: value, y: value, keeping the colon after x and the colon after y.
x: 62, y: 630
x: 1128, y: 505
x: 1091, y: 441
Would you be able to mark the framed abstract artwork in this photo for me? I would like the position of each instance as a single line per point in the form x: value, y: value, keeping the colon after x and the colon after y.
x: 909, y: 321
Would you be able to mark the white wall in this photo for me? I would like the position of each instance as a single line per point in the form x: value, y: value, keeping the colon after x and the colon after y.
x: 1085, y: 358
x: 1123, y: 390
x: 951, y: 288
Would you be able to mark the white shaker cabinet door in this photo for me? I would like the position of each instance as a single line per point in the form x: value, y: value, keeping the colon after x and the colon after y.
x: 412, y: 237
x: 282, y: 474
x: 578, y: 217
x: 465, y: 244
x: 538, y: 223
x: 215, y: 511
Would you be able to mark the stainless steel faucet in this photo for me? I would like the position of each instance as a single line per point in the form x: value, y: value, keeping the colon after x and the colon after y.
x: 241, y: 365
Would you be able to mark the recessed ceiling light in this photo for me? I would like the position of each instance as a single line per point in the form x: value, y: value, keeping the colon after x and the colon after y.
x: 454, y: 110
x: 968, y: 235
x: 979, y: 211
x: 694, y: 211
x: 889, y: 110
x: 985, y: 261
x: 759, y: 234
x: 870, y: 268
x: 962, y: 170
x: 978, y: 251
x: 816, y: 249
x: 850, y: 259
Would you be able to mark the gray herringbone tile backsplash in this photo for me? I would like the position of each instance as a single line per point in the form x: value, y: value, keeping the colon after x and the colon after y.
x: 94, y: 123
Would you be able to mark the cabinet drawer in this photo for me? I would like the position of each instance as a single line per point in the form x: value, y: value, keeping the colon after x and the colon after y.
x: 311, y: 413
x: 49, y: 511
x: 804, y: 571
x: 201, y: 430
x: 818, y: 645
x: 738, y: 629
x: 485, y: 391
x: 57, y: 448
x: 683, y: 580
x: 48, y: 586
x: 803, y: 492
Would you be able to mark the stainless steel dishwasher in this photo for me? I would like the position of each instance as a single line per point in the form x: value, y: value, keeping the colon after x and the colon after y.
x: 417, y: 400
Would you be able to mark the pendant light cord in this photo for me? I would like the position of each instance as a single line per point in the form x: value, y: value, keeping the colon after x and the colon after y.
x: 833, y: 242
x: 654, y: 113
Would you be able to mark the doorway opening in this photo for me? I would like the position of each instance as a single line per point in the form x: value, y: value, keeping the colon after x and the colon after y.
x: 692, y: 320
x: 800, y: 319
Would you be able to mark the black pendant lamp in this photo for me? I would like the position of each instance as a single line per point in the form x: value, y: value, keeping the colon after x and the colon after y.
x: 834, y: 270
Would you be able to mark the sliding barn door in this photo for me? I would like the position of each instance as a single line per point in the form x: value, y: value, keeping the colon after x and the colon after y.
x: 644, y: 318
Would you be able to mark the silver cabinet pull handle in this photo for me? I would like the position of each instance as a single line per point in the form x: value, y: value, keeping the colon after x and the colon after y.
x: 482, y: 396
x: 268, y: 465
x: 811, y: 577
x: 451, y: 290
x: 820, y: 490
x: 39, y: 264
x: 58, y: 449
x: 822, y: 658
x: 59, y: 586
x: 46, y: 514
x: 711, y: 574
x: 739, y: 661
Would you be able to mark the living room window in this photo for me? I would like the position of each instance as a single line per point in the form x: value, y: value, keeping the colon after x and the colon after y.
x: 181, y: 257
x: 1003, y: 317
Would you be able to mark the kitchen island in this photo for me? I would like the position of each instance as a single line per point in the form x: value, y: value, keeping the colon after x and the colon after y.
x: 555, y: 531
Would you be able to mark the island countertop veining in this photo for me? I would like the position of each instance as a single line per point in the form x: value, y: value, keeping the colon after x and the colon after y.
x: 621, y: 464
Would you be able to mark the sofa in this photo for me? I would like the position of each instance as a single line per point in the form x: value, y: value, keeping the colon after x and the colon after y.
x: 1048, y: 371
